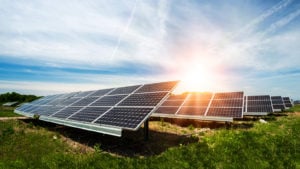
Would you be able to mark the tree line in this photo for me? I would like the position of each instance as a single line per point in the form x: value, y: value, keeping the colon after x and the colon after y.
x: 13, y: 96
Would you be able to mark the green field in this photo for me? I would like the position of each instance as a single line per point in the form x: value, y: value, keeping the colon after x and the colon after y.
x: 7, y: 112
x: 33, y: 144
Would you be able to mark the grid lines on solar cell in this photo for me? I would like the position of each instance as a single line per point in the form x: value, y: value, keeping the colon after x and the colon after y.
x: 124, y: 117
x: 49, y: 110
x: 124, y: 90
x: 109, y: 100
x: 199, y: 111
x: 100, y: 92
x: 89, y: 114
x: 230, y: 95
x: 261, y: 98
x: 225, y: 112
x: 287, y: 102
x: 171, y: 104
x: 167, y: 110
x: 164, y: 86
x: 195, y: 104
x: 68, y: 111
x: 145, y: 99
x: 175, y: 103
x: 229, y: 104
x: 85, y: 101
x: 55, y: 102
x: 83, y: 94
x: 67, y: 102
x: 277, y: 102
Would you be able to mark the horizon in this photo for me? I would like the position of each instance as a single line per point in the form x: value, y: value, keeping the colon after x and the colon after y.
x: 60, y: 47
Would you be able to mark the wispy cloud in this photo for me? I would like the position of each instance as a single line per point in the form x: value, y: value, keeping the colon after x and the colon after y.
x: 156, y: 40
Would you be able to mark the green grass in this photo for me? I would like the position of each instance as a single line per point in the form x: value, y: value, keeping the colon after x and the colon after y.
x: 272, y: 145
x: 295, y: 108
x: 7, y: 112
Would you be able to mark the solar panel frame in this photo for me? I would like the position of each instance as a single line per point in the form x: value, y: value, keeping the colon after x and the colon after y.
x: 66, y: 116
x: 258, y: 105
x: 233, y: 101
x: 278, y: 104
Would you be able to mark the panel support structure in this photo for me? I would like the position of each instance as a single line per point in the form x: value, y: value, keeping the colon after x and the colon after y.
x: 146, y: 130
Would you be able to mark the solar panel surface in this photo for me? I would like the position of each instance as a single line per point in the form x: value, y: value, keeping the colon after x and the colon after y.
x: 258, y: 105
x: 224, y: 106
x: 107, y: 111
x: 277, y: 102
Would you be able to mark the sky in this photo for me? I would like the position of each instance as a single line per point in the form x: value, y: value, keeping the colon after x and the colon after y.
x: 49, y: 47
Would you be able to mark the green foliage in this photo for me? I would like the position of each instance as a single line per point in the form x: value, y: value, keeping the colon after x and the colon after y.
x: 13, y: 96
x: 191, y: 127
x: 7, y: 112
x: 271, y: 145
x: 97, y: 148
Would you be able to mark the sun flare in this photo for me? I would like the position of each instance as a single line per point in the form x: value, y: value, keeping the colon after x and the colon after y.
x: 198, y: 78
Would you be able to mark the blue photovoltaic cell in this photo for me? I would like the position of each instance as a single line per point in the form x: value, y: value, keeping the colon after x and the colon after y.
x: 109, y: 100
x: 124, y: 90
x: 89, y: 114
x: 123, y: 107
x: 67, y: 112
x: 85, y: 101
x: 124, y: 117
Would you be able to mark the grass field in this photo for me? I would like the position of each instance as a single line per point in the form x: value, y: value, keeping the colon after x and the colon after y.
x: 34, y: 144
x: 7, y: 112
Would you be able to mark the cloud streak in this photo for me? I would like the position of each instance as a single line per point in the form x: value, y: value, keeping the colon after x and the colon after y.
x: 154, y: 39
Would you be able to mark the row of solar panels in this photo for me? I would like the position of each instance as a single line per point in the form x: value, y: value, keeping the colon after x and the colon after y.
x: 107, y: 111
x: 110, y: 111
x: 220, y: 106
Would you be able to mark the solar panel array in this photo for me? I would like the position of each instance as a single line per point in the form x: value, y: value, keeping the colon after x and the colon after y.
x: 206, y: 106
x: 287, y: 102
x: 107, y: 110
x: 258, y: 105
x: 277, y: 103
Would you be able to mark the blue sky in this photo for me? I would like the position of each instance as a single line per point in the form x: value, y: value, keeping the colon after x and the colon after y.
x: 56, y: 46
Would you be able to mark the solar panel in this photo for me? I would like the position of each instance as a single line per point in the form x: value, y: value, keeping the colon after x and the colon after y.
x: 84, y: 94
x: 109, y: 100
x: 85, y: 101
x: 144, y: 99
x: 203, y: 106
x: 68, y: 111
x: 167, y: 110
x: 107, y: 111
x: 287, y: 102
x: 89, y: 114
x: 258, y: 105
x: 227, y: 104
x: 100, y: 92
x: 124, y: 90
x: 277, y: 103
x: 124, y: 117
x: 164, y: 86
x: 192, y: 111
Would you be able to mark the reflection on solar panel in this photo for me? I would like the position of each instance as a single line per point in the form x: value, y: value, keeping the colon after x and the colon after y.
x: 107, y: 111
x: 258, y: 105
x: 204, y: 106
x: 287, y: 102
x: 229, y: 104
x: 277, y: 103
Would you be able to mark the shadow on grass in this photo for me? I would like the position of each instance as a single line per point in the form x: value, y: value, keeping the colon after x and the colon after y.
x: 131, y: 144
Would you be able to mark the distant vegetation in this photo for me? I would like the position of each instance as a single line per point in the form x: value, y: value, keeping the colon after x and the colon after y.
x: 266, y: 145
x: 13, y: 96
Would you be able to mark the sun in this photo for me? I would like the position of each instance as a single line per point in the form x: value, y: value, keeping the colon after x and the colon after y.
x: 197, y: 78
